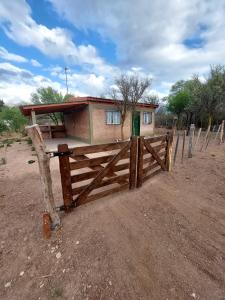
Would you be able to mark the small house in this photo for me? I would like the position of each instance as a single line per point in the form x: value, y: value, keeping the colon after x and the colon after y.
x: 94, y: 120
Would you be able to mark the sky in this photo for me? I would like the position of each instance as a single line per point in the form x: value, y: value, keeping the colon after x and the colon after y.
x: 97, y: 40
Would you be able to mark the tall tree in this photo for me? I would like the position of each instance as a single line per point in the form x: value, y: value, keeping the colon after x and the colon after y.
x: 47, y: 96
x: 178, y: 103
x: 128, y: 92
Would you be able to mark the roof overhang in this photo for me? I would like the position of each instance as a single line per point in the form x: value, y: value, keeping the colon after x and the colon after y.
x: 51, y: 108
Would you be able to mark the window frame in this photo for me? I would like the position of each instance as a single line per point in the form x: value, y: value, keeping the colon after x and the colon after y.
x: 112, y: 111
x: 150, y: 117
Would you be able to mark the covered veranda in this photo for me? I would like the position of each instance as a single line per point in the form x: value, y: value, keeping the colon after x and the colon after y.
x: 54, y: 134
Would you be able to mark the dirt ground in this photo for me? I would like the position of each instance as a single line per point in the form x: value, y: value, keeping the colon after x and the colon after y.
x: 163, y: 241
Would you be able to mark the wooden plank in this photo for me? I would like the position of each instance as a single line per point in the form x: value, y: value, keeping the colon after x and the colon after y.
x: 140, y: 161
x: 64, y: 166
x: 152, y: 174
x: 103, y: 194
x: 155, y: 155
x: 91, y: 162
x: 151, y: 159
x: 156, y: 148
x: 81, y: 198
x: 156, y: 139
x: 111, y: 180
x: 149, y: 168
x: 98, y: 148
x: 92, y: 174
x: 133, y: 162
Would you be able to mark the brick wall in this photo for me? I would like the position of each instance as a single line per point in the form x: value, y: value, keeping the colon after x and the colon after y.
x: 147, y: 129
x: 77, y: 124
x: 107, y: 133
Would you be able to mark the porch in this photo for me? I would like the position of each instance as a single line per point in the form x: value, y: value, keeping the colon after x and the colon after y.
x: 52, y: 144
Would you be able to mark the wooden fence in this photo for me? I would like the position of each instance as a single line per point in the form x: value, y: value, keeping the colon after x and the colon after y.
x: 91, y: 172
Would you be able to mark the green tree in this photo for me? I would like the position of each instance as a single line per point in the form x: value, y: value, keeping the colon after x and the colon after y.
x: 178, y: 103
x: 12, y: 119
x: 47, y: 96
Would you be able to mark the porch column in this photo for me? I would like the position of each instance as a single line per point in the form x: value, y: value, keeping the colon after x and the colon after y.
x: 33, y: 117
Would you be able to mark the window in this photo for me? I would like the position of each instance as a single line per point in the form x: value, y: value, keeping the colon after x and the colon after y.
x: 113, y: 117
x: 147, y: 117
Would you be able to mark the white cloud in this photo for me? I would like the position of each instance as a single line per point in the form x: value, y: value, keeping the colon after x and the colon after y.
x: 151, y: 34
x: 17, y: 84
x: 35, y: 63
x: 4, y: 54
x: 16, y: 20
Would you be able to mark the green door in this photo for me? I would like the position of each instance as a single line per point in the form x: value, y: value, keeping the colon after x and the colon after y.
x: 136, y: 123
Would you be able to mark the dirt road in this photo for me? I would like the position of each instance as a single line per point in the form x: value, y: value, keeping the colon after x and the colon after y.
x: 163, y: 241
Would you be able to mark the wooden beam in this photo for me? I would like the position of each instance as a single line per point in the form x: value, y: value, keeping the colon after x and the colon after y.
x: 64, y: 166
x: 133, y: 162
x: 140, y: 161
x: 33, y: 117
x: 169, y: 152
x: 45, y: 173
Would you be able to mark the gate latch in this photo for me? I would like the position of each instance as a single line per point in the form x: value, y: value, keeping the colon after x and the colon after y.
x: 56, y: 153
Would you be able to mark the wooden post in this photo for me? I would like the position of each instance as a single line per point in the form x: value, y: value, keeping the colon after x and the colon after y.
x: 205, y: 138
x: 221, y: 132
x: 140, y: 161
x: 64, y: 166
x: 184, y: 137
x: 45, y: 173
x: 169, y: 140
x: 197, y: 138
x: 46, y: 225
x: 33, y: 117
x: 176, y: 148
x: 192, y: 130
x: 217, y: 133
x: 133, y: 162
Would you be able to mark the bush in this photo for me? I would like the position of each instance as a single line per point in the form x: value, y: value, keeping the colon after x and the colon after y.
x: 11, y: 119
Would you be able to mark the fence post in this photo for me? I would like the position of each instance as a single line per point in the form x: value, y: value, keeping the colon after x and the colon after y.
x: 64, y: 166
x: 221, y: 132
x: 191, y: 137
x: 169, y: 141
x: 133, y: 162
x: 45, y: 174
x: 140, y: 161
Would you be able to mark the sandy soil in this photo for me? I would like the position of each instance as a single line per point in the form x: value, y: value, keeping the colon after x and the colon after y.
x: 163, y: 241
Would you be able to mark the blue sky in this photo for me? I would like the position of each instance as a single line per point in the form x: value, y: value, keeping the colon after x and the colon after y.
x: 98, y: 40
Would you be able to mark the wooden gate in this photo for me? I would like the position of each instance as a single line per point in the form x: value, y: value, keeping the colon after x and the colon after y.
x: 92, y: 172
x: 153, y: 156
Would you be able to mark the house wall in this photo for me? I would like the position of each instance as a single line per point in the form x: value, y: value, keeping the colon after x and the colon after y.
x: 102, y: 132
x: 77, y: 124
x: 146, y: 129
